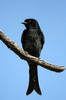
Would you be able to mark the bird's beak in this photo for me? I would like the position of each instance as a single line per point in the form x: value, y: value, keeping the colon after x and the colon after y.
x: 23, y: 22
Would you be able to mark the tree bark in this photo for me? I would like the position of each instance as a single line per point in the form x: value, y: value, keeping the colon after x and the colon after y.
x: 24, y: 55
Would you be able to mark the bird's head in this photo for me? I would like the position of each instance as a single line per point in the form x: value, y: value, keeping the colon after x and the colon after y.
x: 31, y: 24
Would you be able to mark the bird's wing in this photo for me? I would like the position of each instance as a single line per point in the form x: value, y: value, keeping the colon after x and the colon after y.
x: 23, y: 37
x: 42, y: 38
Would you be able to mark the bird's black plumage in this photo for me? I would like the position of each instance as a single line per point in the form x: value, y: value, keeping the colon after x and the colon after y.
x: 32, y: 41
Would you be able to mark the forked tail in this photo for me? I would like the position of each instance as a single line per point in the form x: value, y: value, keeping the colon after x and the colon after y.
x: 33, y: 80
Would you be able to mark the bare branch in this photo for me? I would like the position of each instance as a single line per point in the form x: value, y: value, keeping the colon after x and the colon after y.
x: 24, y: 55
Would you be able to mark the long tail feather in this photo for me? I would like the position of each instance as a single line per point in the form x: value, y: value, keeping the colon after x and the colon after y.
x: 33, y: 80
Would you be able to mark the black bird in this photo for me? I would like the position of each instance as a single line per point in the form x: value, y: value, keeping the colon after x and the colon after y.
x: 32, y: 41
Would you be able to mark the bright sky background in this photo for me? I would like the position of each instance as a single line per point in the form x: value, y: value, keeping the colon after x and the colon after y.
x: 14, y: 72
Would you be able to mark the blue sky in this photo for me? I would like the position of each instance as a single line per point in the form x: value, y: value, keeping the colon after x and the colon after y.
x: 14, y: 72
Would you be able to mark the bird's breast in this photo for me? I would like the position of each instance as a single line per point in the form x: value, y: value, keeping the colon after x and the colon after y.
x: 32, y: 41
